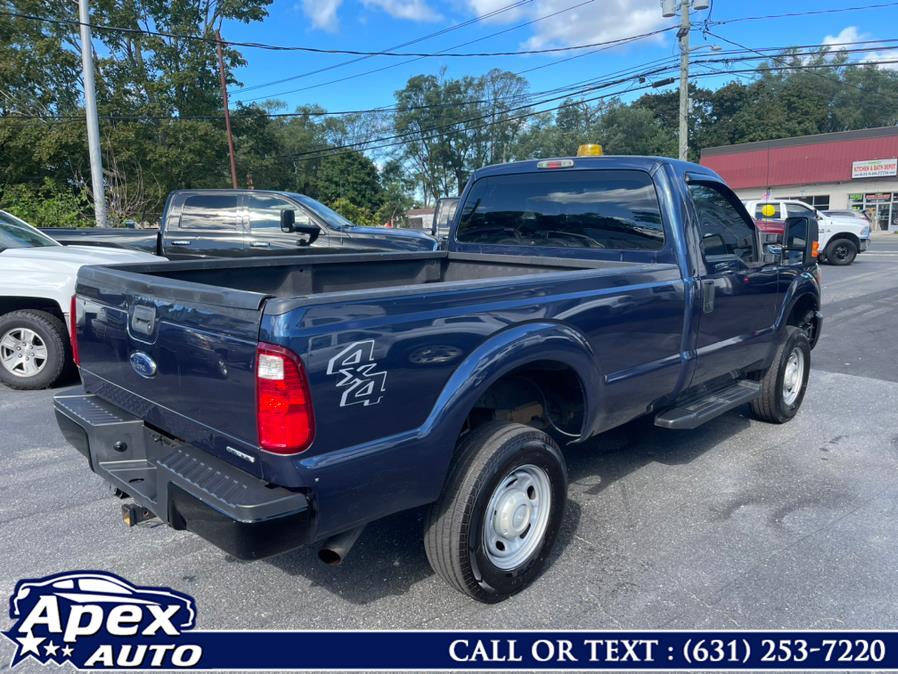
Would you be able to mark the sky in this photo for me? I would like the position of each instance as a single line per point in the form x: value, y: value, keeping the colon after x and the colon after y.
x: 515, y: 25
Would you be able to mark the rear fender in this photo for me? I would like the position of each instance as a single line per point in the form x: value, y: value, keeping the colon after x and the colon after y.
x: 505, y: 352
x: 363, y: 483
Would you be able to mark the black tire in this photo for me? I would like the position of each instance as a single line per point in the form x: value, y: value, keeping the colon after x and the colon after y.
x: 841, y: 252
x: 772, y: 405
x: 454, y: 534
x: 52, y: 333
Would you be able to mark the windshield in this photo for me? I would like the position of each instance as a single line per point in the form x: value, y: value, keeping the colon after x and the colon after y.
x: 331, y: 218
x: 15, y: 233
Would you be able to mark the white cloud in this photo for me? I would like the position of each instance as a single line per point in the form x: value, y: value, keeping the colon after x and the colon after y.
x: 411, y: 10
x: 322, y: 13
x: 851, y: 34
x: 847, y: 34
x: 598, y: 21
x: 874, y: 56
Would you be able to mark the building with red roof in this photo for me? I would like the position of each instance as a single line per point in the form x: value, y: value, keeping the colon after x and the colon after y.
x: 830, y: 171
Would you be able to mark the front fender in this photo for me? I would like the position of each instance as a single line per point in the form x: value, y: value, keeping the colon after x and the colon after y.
x: 803, y: 285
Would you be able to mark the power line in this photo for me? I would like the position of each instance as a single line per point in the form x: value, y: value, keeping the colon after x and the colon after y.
x: 316, y: 50
x: 783, y: 60
x: 401, y: 63
x: 725, y: 57
x: 457, y: 26
x: 834, y: 10
x: 387, y: 142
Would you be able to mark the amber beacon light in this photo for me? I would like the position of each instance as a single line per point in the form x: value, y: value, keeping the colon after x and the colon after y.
x: 589, y: 150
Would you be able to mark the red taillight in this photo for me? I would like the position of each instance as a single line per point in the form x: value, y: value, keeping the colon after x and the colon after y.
x: 73, y: 329
x: 283, y: 405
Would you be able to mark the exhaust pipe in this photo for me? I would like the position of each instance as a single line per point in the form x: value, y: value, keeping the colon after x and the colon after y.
x: 334, y: 550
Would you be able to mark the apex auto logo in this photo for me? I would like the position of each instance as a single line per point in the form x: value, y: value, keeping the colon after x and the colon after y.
x: 97, y: 620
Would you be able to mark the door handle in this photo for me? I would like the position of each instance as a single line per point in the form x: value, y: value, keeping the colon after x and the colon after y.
x: 260, y: 244
x: 708, y: 292
x: 180, y: 242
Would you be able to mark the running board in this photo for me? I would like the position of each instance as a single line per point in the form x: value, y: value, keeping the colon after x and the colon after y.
x: 697, y: 412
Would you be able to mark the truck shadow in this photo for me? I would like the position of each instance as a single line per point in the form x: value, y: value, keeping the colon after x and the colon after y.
x: 389, y: 559
x: 611, y: 456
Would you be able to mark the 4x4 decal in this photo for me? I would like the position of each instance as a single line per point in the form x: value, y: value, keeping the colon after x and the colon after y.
x: 355, y: 365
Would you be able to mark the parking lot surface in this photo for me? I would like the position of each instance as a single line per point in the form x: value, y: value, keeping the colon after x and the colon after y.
x: 736, y: 524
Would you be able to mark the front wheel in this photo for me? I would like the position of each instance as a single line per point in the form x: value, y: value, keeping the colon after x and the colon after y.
x: 784, y: 384
x: 34, y: 349
x: 841, y: 252
x: 490, y: 532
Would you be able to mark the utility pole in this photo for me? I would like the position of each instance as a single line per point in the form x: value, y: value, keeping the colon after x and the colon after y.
x: 683, y: 34
x: 90, y: 109
x: 227, y: 112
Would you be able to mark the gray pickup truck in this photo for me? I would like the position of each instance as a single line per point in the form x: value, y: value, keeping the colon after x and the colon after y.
x: 243, y: 223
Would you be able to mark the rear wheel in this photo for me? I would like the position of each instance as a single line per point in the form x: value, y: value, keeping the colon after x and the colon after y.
x: 783, y: 385
x: 33, y: 349
x: 490, y: 533
x: 841, y: 252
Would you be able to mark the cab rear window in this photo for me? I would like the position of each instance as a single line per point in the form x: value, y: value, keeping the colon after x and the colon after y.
x: 599, y: 209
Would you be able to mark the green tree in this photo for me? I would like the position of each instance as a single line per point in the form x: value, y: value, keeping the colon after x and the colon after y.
x: 350, y: 176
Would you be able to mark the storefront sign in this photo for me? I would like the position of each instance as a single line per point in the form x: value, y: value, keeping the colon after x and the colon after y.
x: 879, y: 198
x: 874, y: 168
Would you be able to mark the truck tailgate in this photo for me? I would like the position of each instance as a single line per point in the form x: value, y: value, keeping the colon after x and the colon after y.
x: 178, y: 355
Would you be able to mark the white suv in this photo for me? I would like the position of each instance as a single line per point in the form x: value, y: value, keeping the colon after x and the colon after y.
x: 842, y: 237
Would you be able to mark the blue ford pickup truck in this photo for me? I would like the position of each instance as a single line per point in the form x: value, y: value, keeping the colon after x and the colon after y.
x: 273, y: 402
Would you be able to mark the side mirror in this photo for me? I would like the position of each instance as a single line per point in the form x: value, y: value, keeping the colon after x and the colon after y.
x: 800, y: 239
x: 312, y: 230
x: 288, y: 220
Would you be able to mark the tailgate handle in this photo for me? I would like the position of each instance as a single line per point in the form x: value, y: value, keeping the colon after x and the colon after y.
x: 143, y: 320
x: 180, y: 242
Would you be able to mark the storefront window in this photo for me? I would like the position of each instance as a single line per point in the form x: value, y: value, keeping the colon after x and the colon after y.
x: 818, y: 201
x: 881, y: 208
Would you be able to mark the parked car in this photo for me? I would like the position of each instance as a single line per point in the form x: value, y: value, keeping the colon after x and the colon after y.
x: 243, y: 223
x: 37, y: 282
x: 841, y: 237
x: 267, y: 403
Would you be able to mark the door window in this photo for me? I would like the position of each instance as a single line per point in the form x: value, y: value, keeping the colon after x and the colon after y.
x: 210, y: 211
x: 793, y: 210
x: 726, y: 234
x: 766, y: 205
x: 265, y: 212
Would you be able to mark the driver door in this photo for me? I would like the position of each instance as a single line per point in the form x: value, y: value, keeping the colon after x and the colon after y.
x: 739, y: 293
x: 265, y: 235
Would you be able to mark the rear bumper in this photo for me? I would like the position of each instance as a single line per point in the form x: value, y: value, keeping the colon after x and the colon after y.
x: 182, y: 485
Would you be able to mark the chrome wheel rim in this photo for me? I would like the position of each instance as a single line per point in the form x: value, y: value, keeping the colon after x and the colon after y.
x: 22, y: 352
x: 516, y: 517
x: 793, y: 377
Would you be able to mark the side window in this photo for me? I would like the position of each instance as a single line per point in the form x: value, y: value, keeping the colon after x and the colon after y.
x: 265, y: 212
x: 775, y: 215
x: 725, y: 233
x: 794, y: 209
x: 599, y: 209
x: 210, y: 211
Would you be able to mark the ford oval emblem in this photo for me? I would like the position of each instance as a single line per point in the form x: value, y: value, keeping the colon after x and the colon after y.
x: 143, y: 365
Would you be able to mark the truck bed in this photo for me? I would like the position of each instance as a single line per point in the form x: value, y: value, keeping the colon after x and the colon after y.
x: 328, y: 272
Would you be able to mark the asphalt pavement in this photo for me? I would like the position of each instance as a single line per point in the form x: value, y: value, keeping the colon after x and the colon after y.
x: 736, y: 524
